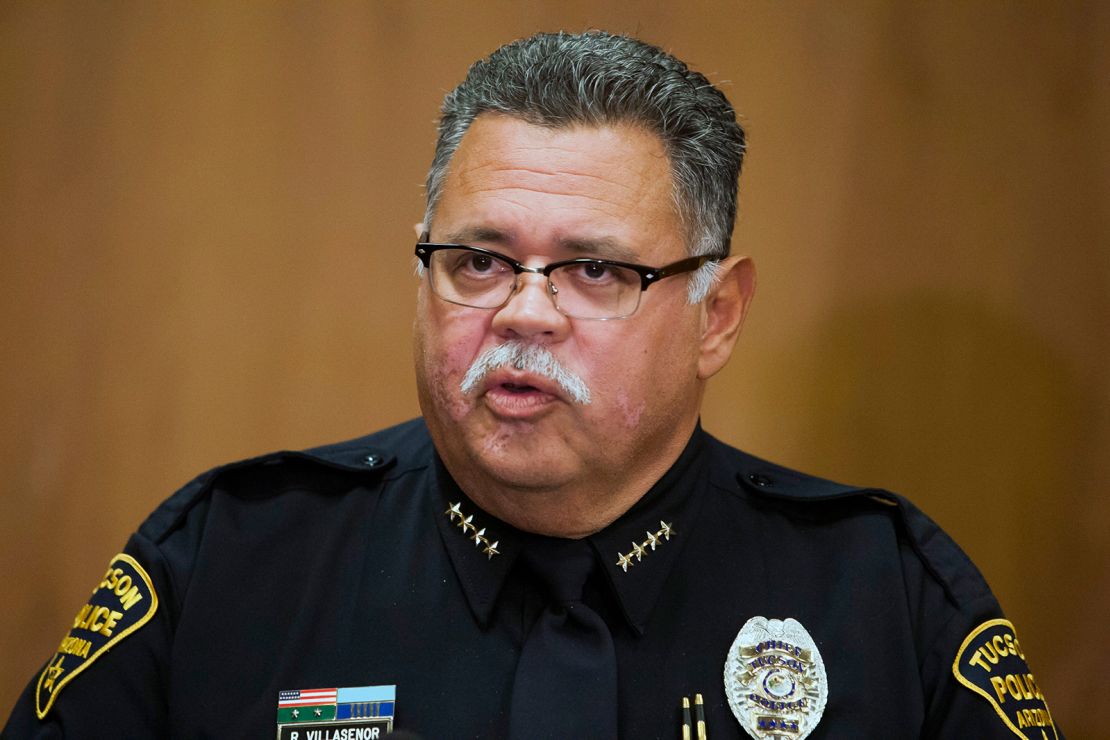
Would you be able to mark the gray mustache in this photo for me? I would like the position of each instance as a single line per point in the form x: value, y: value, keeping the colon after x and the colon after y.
x: 528, y: 358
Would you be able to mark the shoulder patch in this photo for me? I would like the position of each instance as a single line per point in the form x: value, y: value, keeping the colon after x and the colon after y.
x: 990, y: 663
x: 123, y: 602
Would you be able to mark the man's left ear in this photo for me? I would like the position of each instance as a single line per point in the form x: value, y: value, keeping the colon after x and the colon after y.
x: 723, y: 314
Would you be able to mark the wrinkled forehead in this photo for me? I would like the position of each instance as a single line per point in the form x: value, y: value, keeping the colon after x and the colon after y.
x: 580, y: 181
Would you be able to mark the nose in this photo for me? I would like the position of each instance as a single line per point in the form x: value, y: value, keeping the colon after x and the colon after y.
x: 530, y: 311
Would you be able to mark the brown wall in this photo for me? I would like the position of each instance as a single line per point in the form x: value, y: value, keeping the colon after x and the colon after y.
x: 206, y: 214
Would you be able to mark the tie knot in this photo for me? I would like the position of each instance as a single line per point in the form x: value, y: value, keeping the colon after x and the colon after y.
x: 561, y: 565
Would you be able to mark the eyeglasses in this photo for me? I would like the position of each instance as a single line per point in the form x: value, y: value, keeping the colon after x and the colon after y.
x: 582, y: 288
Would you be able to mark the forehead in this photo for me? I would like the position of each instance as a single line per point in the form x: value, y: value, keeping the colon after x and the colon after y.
x: 517, y: 184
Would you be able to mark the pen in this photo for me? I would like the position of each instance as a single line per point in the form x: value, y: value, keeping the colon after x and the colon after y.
x: 685, y: 718
x: 699, y: 713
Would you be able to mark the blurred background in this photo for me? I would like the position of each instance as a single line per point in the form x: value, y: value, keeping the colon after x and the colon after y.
x: 206, y: 221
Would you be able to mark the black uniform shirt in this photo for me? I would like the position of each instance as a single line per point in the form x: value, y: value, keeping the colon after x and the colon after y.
x: 363, y: 564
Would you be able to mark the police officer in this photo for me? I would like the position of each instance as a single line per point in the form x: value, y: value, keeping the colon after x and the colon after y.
x: 556, y: 549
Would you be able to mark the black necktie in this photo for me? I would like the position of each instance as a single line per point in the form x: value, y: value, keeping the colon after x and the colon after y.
x: 566, y: 680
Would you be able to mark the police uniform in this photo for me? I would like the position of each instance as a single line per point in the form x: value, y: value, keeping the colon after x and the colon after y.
x: 363, y: 565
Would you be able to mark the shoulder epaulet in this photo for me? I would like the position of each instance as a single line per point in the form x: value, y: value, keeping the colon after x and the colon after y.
x: 356, y: 456
x: 938, y: 552
x: 768, y: 479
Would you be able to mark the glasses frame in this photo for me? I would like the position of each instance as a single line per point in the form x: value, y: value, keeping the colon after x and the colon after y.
x: 648, y: 275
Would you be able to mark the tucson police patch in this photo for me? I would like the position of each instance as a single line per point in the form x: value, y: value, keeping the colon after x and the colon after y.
x: 990, y: 663
x: 122, y: 603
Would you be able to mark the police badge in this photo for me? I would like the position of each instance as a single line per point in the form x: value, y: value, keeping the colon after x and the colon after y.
x: 775, y: 680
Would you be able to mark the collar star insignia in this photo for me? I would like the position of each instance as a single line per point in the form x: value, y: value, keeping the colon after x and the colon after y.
x: 624, y: 561
x: 471, y: 530
x: 639, y: 549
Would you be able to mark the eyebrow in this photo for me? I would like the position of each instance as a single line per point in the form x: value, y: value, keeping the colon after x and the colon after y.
x: 478, y: 234
x: 601, y: 247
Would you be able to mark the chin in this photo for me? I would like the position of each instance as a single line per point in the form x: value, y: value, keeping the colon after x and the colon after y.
x: 514, y: 462
x: 516, y: 477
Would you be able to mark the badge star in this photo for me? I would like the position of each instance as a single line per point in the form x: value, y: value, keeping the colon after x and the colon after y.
x: 665, y: 529
x: 477, y: 536
x: 296, y: 713
x: 624, y: 561
x: 638, y: 551
x: 53, y: 672
x: 491, y: 550
x: 454, y: 510
x: 465, y: 523
x: 652, y: 539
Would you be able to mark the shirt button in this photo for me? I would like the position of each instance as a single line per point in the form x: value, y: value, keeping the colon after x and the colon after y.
x: 760, y: 480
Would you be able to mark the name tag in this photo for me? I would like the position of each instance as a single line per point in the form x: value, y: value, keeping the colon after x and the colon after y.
x: 353, y: 713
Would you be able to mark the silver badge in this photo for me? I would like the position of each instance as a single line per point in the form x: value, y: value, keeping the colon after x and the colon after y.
x: 775, y: 680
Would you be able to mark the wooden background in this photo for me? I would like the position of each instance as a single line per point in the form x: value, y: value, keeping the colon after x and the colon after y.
x: 206, y: 219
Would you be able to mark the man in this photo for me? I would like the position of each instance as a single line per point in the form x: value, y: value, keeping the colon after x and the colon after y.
x: 556, y: 549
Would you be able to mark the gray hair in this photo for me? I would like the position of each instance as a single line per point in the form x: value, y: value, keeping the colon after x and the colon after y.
x: 596, y: 78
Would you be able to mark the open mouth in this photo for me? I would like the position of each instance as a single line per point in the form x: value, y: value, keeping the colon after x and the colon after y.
x: 519, y: 388
x: 518, y: 399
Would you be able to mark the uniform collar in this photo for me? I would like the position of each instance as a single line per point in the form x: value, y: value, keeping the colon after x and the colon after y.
x: 637, y: 551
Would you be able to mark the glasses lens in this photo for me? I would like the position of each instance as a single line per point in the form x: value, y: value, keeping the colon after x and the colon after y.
x: 596, y: 290
x: 470, y: 278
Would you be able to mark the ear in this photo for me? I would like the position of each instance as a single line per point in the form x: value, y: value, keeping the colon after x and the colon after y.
x: 723, y: 314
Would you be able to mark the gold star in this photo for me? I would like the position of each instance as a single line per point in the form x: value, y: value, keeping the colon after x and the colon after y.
x: 652, y: 539
x: 454, y: 510
x: 477, y: 536
x: 464, y: 524
x: 624, y: 561
x: 53, y: 672
x: 638, y: 551
x: 665, y: 530
x: 491, y: 550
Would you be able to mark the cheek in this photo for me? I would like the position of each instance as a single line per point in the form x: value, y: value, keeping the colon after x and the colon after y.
x: 648, y: 385
x: 622, y: 377
x: 443, y: 356
x: 629, y: 409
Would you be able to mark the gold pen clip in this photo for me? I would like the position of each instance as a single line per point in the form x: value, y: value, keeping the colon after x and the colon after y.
x: 693, y: 728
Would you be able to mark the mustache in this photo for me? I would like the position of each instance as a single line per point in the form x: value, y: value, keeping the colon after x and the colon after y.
x: 528, y: 358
